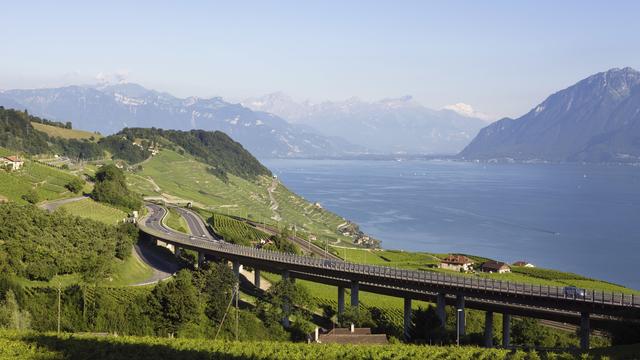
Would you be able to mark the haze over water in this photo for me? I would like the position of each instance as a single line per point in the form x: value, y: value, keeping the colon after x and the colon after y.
x: 571, y: 217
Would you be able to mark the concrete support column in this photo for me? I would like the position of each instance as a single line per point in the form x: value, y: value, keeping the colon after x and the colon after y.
x: 285, y: 306
x: 355, y: 299
x: 407, y: 319
x: 340, y: 300
x: 440, y: 309
x: 178, y: 252
x: 585, y: 331
x: 256, y: 278
x: 488, y: 329
x: 460, y: 314
x: 506, y: 330
x: 200, y: 261
x: 236, y: 269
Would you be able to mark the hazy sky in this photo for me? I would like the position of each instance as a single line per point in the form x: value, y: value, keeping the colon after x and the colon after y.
x: 502, y: 57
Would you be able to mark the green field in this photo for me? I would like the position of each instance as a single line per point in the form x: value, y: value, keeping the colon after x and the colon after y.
x: 55, y: 131
x: 128, y: 272
x: 174, y: 220
x: 91, y: 209
x: 17, y: 345
x: 48, y: 182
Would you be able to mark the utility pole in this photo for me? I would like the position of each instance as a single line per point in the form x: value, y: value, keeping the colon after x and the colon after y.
x: 59, y: 303
x: 237, y: 296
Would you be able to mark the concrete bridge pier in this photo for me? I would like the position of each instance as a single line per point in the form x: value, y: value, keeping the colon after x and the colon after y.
x: 256, y: 278
x: 285, y: 307
x: 488, y: 329
x: 460, y: 320
x: 178, y: 252
x: 200, y: 261
x: 236, y: 269
x: 585, y: 331
x: 355, y: 289
x: 407, y: 319
x: 440, y: 309
x: 340, y: 300
x: 506, y: 330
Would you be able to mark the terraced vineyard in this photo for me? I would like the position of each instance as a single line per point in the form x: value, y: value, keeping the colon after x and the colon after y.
x: 235, y: 231
x: 18, y: 345
x: 46, y: 181
x: 182, y: 176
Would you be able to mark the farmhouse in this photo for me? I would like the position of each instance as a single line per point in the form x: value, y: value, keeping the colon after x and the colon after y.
x: 11, y: 162
x: 524, y: 264
x: 495, y: 267
x: 456, y: 262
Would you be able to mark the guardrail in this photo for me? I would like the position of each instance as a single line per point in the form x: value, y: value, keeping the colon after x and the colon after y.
x: 418, y: 276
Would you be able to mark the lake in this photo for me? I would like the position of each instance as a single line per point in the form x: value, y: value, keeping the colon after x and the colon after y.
x: 571, y: 217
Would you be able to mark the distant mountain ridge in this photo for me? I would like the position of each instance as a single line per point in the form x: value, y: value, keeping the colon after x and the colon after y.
x: 595, y: 120
x: 109, y: 108
x: 395, y: 125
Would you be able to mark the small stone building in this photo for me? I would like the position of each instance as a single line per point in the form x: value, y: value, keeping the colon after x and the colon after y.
x: 11, y: 162
x: 495, y: 267
x: 456, y: 263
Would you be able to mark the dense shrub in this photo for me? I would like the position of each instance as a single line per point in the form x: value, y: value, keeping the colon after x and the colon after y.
x: 111, y: 188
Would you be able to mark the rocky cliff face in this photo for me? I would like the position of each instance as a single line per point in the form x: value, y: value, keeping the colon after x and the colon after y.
x: 595, y: 120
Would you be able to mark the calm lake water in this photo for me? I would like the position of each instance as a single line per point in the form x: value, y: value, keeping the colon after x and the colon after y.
x: 578, y: 218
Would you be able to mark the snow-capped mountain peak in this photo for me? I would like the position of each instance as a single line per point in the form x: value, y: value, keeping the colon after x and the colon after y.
x: 467, y: 111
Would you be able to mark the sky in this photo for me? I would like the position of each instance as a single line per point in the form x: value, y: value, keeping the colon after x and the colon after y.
x: 501, y: 57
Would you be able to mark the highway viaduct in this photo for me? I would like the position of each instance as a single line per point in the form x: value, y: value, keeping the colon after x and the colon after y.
x: 596, y: 309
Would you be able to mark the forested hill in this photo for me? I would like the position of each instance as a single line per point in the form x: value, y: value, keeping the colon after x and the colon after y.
x: 132, y: 145
x: 214, y: 148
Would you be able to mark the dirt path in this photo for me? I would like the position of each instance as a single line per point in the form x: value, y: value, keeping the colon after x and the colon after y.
x: 50, y: 206
x: 274, y: 203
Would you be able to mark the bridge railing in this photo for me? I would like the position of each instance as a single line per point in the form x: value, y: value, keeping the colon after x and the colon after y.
x: 429, y: 277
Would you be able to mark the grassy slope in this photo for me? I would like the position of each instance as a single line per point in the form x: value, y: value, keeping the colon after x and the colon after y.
x: 91, y: 209
x: 47, y: 181
x: 55, y: 131
x: 131, y: 271
x: 186, y: 178
x: 175, y: 221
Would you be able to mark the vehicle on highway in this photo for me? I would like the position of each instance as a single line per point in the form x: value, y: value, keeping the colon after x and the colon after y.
x: 575, y: 292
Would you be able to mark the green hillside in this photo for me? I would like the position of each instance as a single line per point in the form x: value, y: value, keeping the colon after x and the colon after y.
x: 62, y: 132
x: 181, y: 176
x: 49, y: 183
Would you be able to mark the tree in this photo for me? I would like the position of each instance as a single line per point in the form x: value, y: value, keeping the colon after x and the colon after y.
x: 173, y: 304
x: 11, y: 317
x: 31, y: 196
x: 111, y: 187
x: 216, y: 282
x: 427, y: 326
x: 75, y: 185
x: 356, y: 316
x: 528, y: 332
x: 286, y: 299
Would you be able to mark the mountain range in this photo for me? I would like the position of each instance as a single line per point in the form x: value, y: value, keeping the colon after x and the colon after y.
x: 396, y: 125
x: 107, y: 109
x: 595, y: 120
